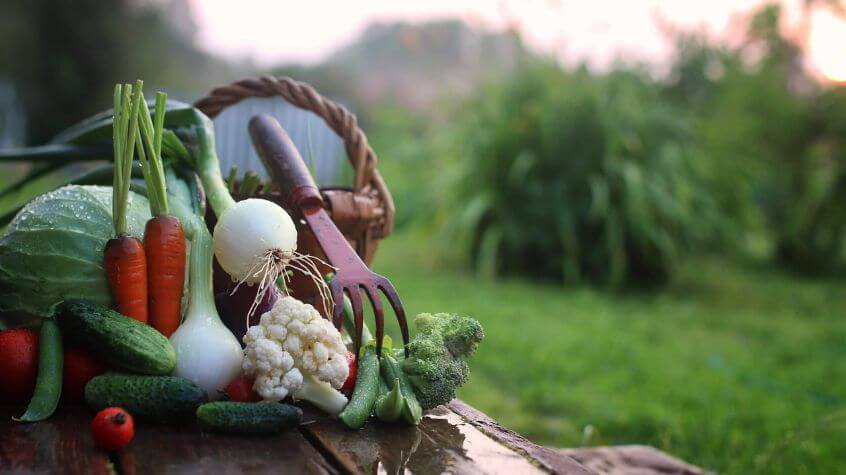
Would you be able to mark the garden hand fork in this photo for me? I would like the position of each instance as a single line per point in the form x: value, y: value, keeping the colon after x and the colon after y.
x: 289, y: 172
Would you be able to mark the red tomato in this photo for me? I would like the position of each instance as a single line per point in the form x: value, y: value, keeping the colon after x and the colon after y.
x: 112, y: 429
x: 241, y: 390
x: 18, y: 364
x: 79, y: 367
x: 349, y: 384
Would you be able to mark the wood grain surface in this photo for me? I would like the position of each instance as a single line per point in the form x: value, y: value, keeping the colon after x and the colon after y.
x: 453, y: 439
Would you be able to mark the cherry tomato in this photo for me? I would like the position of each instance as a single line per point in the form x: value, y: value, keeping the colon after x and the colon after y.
x: 18, y: 364
x: 112, y: 429
x: 79, y: 367
x: 349, y: 384
x: 241, y: 390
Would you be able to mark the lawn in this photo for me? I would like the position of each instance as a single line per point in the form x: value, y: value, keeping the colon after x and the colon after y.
x: 736, y: 368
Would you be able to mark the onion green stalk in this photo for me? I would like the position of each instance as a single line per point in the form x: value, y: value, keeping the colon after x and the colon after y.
x: 207, y: 353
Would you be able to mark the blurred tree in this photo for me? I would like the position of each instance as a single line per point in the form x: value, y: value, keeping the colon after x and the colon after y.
x: 770, y: 132
x: 68, y: 63
x: 64, y: 56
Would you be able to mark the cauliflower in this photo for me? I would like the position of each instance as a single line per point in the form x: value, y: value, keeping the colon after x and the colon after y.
x: 294, y: 351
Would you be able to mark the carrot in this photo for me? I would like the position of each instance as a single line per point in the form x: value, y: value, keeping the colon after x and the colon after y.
x: 126, y: 268
x: 164, y: 244
x: 123, y: 258
x: 164, y: 239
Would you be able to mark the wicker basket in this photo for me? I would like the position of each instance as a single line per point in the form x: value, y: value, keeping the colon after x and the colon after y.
x: 363, y: 213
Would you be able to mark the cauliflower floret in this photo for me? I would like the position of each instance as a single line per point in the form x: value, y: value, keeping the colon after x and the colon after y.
x: 293, y: 346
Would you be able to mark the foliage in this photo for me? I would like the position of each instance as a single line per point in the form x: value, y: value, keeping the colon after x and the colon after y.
x: 776, y: 133
x: 581, y: 178
x: 53, y: 250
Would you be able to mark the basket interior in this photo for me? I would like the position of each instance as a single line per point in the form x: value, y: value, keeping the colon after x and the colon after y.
x: 319, y: 146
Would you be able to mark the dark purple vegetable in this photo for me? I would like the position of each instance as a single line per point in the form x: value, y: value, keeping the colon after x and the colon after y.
x: 235, y: 306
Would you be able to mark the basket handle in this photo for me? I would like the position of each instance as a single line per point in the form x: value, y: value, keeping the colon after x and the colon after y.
x: 337, y: 117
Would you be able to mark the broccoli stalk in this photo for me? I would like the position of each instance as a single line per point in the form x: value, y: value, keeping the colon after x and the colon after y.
x: 436, y: 364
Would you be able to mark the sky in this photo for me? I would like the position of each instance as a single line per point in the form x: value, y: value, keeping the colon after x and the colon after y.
x: 596, y: 31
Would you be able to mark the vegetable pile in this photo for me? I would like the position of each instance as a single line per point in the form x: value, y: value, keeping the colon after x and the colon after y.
x: 106, y: 289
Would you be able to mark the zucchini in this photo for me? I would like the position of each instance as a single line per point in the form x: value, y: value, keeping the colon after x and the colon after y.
x: 156, y: 398
x: 116, y: 339
x: 248, y: 417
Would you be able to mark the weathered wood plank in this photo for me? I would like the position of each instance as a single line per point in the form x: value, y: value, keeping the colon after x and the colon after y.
x: 546, y: 458
x: 185, y: 449
x: 60, y: 444
x: 444, y: 442
x: 456, y: 439
x: 630, y: 460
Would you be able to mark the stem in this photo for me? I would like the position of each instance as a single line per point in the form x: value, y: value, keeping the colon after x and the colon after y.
x: 200, y: 287
x: 117, y: 143
x: 152, y: 195
x: 208, y: 168
x: 124, y: 150
x: 158, y: 126
x: 151, y: 137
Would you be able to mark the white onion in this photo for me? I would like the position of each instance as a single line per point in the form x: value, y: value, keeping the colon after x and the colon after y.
x: 248, y: 233
x: 206, y: 352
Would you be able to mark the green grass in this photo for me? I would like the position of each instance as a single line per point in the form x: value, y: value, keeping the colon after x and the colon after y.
x: 735, y: 368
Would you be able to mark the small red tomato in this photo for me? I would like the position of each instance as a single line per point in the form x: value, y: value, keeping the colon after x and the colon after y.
x: 18, y: 364
x: 349, y: 384
x: 78, y: 368
x: 241, y: 390
x: 112, y: 429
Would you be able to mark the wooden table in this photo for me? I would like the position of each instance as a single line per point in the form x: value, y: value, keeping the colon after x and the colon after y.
x: 454, y: 438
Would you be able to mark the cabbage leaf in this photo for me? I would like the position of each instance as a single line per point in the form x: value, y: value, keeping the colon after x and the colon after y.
x: 53, y: 250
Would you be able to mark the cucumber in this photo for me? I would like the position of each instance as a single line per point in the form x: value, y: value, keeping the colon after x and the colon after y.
x: 117, y: 340
x: 366, y: 390
x: 248, y: 417
x: 156, y: 398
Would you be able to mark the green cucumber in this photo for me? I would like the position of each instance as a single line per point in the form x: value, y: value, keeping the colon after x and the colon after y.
x: 156, y: 398
x: 248, y: 417
x: 366, y: 390
x: 48, y: 385
x: 117, y: 340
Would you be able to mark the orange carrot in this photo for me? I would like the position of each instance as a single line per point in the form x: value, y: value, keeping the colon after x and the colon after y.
x: 164, y: 239
x: 126, y: 268
x: 123, y: 258
x: 164, y: 244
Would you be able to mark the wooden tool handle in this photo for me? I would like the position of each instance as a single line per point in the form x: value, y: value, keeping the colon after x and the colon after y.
x: 284, y: 162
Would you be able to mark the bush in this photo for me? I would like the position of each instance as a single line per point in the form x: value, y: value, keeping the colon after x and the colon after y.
x: 580, y: 178
x: 810, y: 217
x: 777, y: 130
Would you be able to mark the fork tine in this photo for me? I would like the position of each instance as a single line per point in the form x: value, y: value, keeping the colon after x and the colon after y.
x: 355, y: 298
x: 396, y: 304
x: 379, y: 314
x: 338, y: 301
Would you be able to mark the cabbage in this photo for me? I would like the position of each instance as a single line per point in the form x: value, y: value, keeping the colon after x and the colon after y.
x: 53, y: 250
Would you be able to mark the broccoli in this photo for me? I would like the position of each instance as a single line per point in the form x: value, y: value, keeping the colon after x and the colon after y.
x: 435, y: 365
